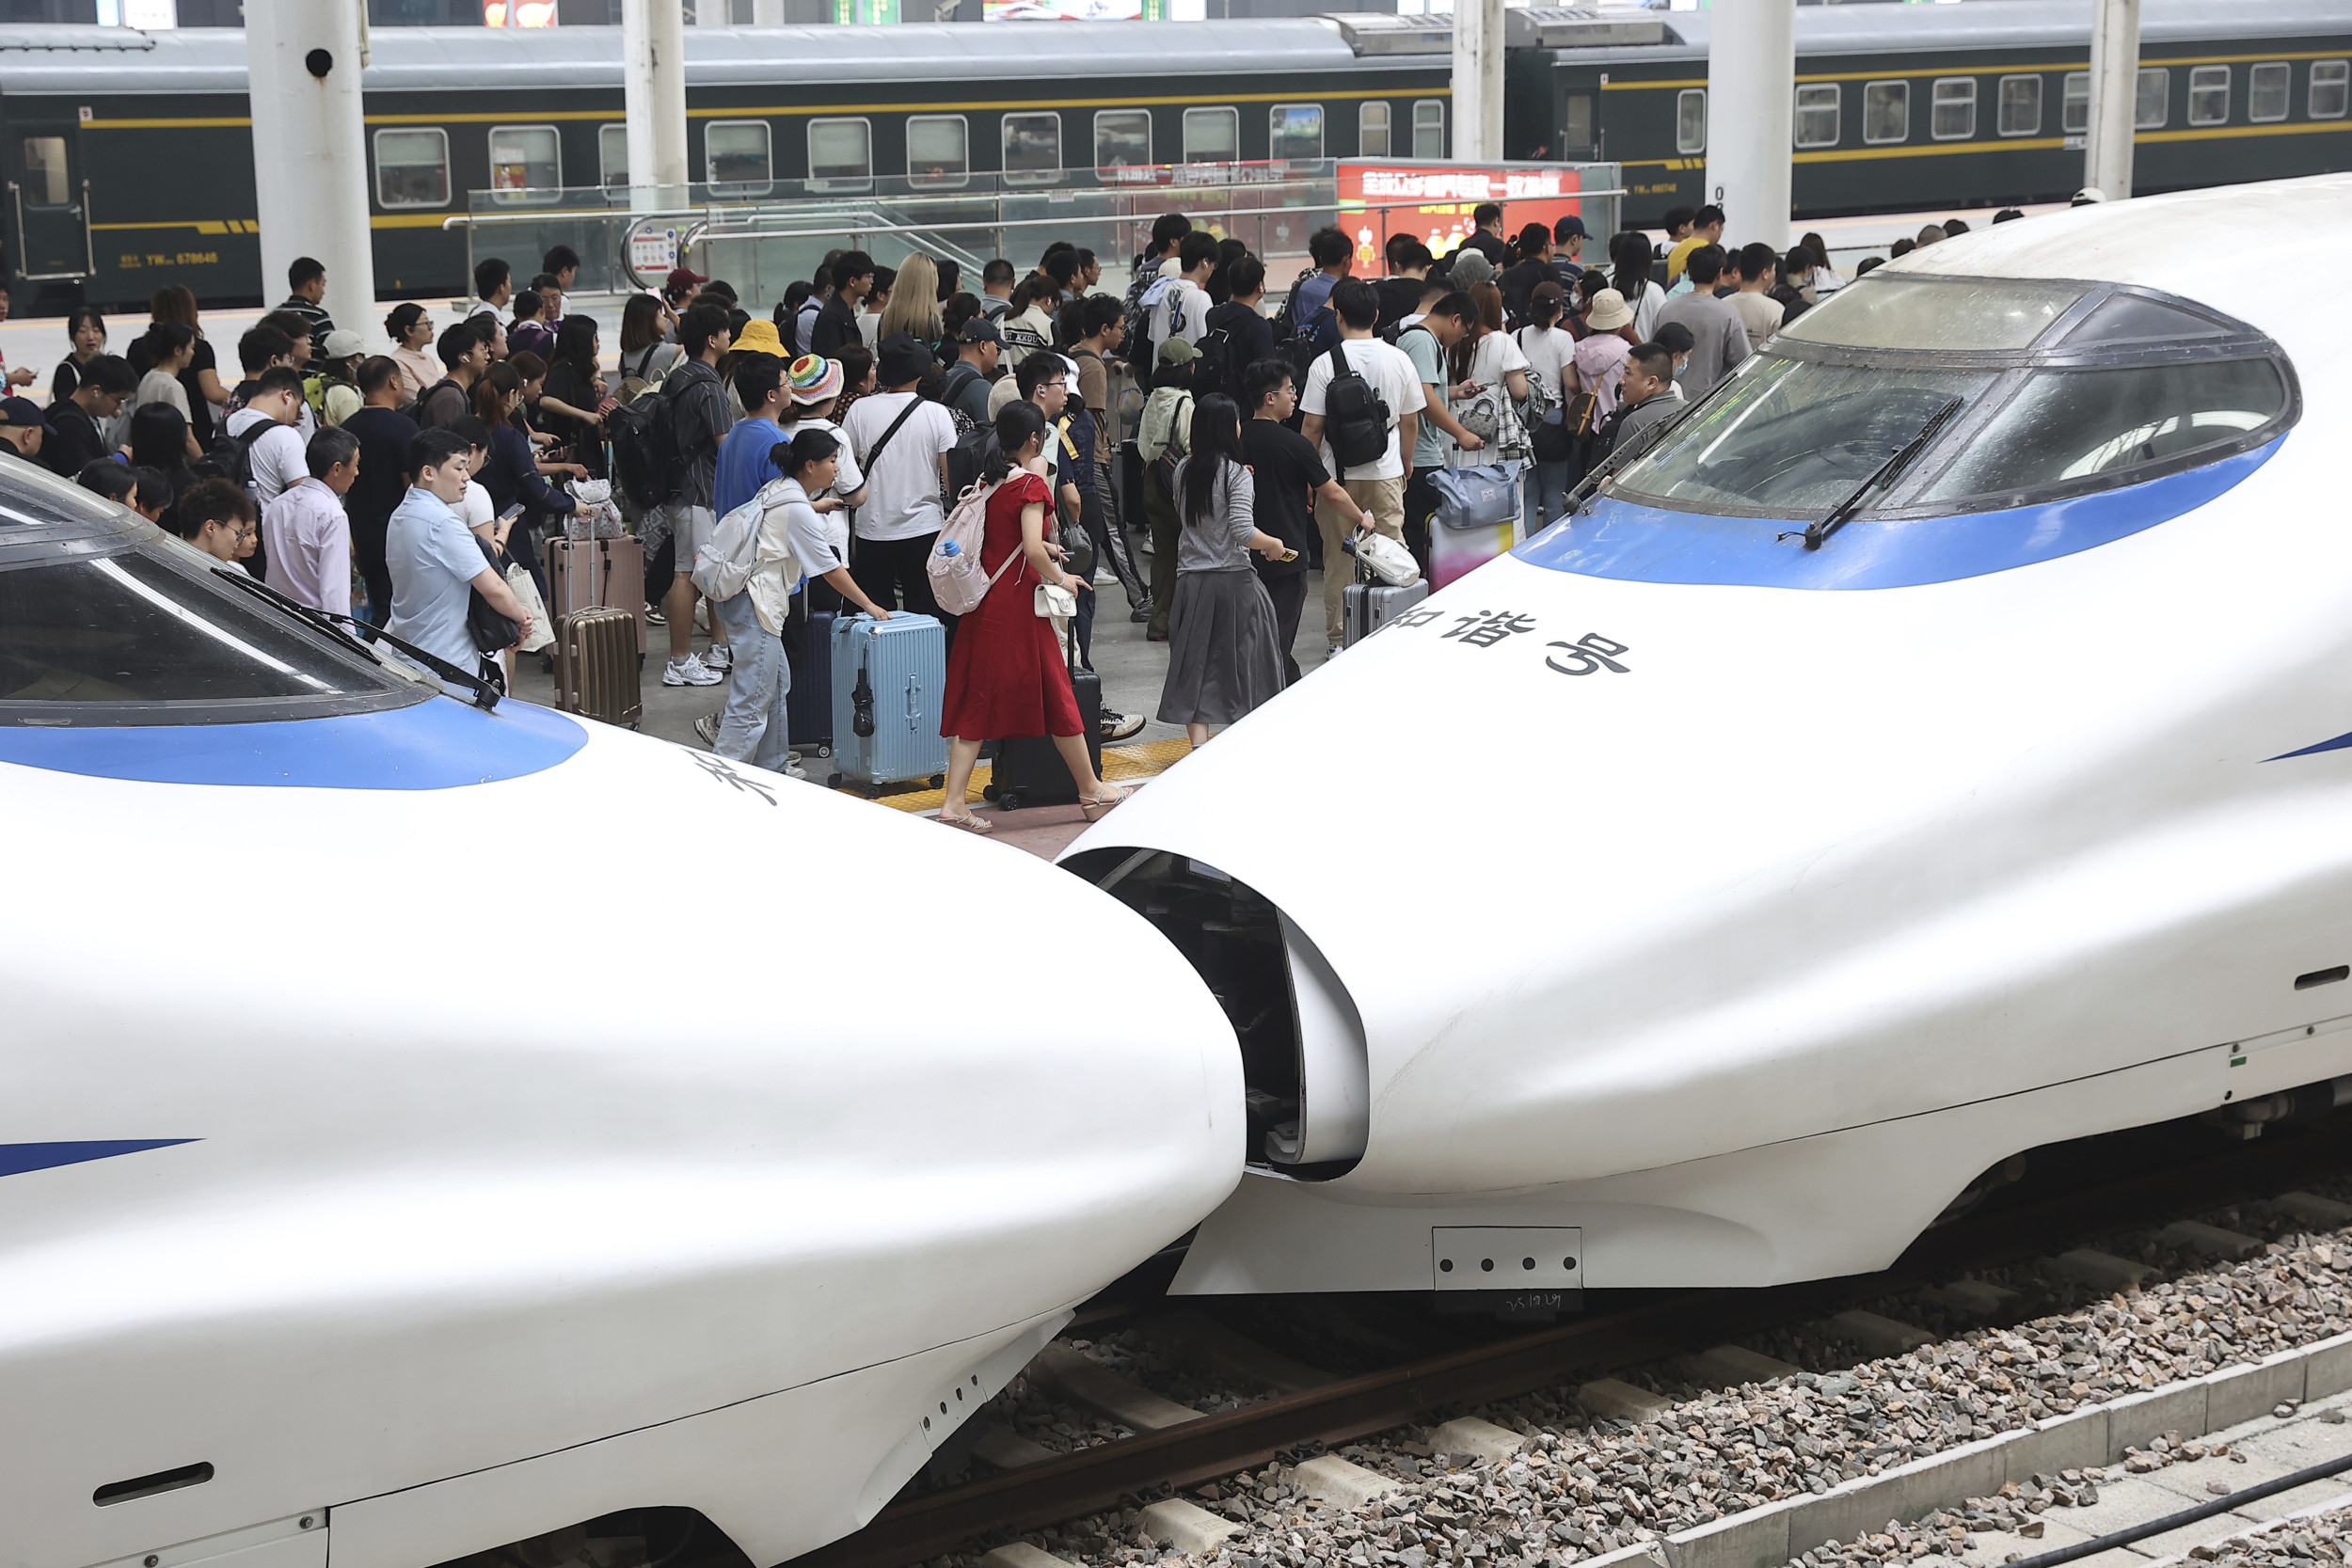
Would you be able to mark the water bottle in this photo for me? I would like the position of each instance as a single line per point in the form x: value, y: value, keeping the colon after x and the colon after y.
x: 948, y: 547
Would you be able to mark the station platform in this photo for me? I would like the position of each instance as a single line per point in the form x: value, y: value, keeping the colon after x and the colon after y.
x: 1131, y: 668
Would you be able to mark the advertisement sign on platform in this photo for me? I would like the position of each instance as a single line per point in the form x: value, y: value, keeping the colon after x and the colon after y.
x: 1432, y: 203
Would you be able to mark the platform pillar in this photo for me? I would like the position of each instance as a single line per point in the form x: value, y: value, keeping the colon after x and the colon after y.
x: 2114, y: 97
x: 1477, y: 81
x: 303, y: 60
x: 1751, y: 91
x: 653, y: 42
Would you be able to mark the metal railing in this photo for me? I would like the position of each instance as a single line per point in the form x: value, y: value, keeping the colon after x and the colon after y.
x: 761, y: 235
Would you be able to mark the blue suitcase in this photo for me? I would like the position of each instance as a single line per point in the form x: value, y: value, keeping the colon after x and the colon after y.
x: 889, y: 682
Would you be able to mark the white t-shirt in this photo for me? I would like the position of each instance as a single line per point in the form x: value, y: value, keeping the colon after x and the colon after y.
x: 279, y: 464
x: 901, y: 490
x: 1181, y: 311
x: 1549, y: 353
x: 1392, y: 377
x: 846, y: 483
x: 1496, y: 357
x: 475, y: 507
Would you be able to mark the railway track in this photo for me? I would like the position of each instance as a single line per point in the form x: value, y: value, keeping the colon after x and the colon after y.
x: 1188, y: 1448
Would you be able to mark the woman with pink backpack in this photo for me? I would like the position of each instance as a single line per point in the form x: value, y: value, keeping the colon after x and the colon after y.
x: 1006, y: 676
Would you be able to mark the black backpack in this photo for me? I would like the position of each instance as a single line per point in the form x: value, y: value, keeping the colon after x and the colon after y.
x: 1354, y: 417
x: 646, y: 461
x: 1219, y: 354
x: 234, y: 454
x: 966, y: 458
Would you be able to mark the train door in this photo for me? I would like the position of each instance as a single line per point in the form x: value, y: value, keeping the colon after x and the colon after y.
x: 48, y: 201
x: 1580, y: 126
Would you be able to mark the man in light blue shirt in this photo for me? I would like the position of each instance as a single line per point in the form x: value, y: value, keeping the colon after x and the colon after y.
x: 436, y: 561
x: 745, y: 462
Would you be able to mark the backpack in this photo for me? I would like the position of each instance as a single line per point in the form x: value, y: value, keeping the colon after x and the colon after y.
x: 1162, y: 429
x: 646, y: 461
x: 1223, y: 355
x: 956, y: 384
x: 958, y: 580
x: 1137, y: 317
x: 636, y: 385
x: 416, y: 410
x: 1354, y: 417
x: 1541, y: 400
x: 723, y: 566
x: 966, y: 458
x: 234, y: 454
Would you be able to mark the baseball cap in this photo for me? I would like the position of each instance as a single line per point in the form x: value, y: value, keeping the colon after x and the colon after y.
x: 342, y: 343
x: 22, y: 412
x: 682, y: 278
x: 1569, y: 227
x: 1177, y: 352
x: 980, y: 329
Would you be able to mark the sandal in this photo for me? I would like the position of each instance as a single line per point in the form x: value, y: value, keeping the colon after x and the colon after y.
x: 1094, y: 808
x: 968, y: 822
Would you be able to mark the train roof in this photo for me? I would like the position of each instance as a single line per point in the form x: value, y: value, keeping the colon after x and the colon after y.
x: 67, y: 59
x: 85, y: 59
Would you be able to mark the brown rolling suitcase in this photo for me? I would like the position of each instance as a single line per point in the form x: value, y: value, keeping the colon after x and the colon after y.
x: 596, y: 574
x: 596, y: 665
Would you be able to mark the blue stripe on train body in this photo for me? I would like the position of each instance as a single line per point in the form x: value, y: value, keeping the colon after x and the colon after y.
x: 437, y: 744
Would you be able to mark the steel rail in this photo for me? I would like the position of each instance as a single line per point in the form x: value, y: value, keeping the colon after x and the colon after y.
x: 1093, y: 1479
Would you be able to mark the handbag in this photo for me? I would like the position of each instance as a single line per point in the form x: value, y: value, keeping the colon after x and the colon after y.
x: 492, y: 633
x: 541, y: 635
x: 1487, y: 496
x: 1051, y: 601
x: 1384, y: 558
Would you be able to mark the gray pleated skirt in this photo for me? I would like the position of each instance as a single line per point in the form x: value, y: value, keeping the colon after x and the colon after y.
x: 1223, y: 649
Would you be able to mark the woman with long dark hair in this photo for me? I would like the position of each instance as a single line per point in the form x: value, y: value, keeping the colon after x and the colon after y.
x: 159, y: 439
x: 646, y: 355
x: 86, y: 331
x: 787, y: 317
x: 512, y: 473
x: 176, y: 302
x: 1224, y: 648
x: 1630, y: 261
x: 1006, y: 673
x: 570, y: 405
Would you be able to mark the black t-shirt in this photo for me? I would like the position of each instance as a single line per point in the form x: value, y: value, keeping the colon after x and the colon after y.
x: 72, y: 439
x: 199, y: 409
x: 1399, y: 298
x: 1488, y: 246
x: 1285, y: 470
x: 384, y: 435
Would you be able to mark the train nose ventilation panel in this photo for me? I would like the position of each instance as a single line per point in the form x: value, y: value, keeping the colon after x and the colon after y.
x: 1302, y: 1041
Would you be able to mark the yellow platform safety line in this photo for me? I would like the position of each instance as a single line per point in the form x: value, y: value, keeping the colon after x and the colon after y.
x: 1120, y: 764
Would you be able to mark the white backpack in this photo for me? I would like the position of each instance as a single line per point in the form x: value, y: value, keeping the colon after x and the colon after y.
x: 958, y: 580
x: 723, y: 564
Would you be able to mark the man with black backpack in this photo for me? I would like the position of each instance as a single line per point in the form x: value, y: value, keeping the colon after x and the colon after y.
x: 1239, y: 335
x: 1362, y: 406
x: 695, y: 407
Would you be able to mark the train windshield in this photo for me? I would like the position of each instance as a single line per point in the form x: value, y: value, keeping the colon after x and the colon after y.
x: 2064, y: 389
x: 103, y: 622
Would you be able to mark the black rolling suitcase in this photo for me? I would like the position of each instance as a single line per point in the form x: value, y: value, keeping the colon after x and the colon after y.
x: 808, y: 705
x: 1029, y: 771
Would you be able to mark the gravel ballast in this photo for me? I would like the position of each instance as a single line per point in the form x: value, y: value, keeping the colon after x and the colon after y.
x: 1585, y: 1486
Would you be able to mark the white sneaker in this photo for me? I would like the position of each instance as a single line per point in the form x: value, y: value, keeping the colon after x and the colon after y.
x: 719, y: 656
x: 689, y: 671
x: 707, y: 727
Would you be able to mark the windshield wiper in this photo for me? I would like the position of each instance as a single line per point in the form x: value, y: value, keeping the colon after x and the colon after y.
x: 1884, y: 474
x: 486, y: 696
x: 1590, y: 485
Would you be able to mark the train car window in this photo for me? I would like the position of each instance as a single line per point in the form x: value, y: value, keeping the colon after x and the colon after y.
x: 46, y: 183
x: 140, y: 637
x: 1032, y: 149
x: 1690, y: 120
x: 2209, y: 95
x: 2266, y: 88
x: 1901, y: 312
x: 938, y: 152
x: 612, y: 156
x: 1372, y: 131
x: 1428, y: 128
x: 1212, y: 135
x: 1295, y: 131
x: 411, y: 169
x: 2153, y: 105
x: 1952, y: 112
x: 737, y: 160
x: 1817, y: 109
x: 2020, y: 111
x: 2127, y: 318
x: 2331, y: 89
x: 2074, y: 103
x: 1885, y: 112
x: 1122, y: 138
x: 840, y: 154
x: 526, y: 165
x: 2069, y: 425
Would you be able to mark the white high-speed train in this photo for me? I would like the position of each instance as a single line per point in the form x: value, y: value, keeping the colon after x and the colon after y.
x: 425, y: 1127
x: 1714, y: 889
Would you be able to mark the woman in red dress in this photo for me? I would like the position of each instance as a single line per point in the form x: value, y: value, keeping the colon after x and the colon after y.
x: 1006, y: 676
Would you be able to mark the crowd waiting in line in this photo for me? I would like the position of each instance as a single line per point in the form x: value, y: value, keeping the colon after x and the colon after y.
x: 1266, y: 430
